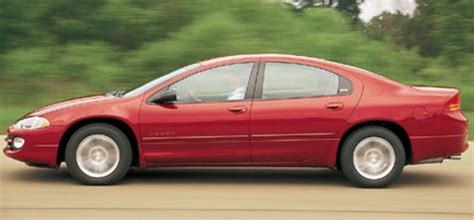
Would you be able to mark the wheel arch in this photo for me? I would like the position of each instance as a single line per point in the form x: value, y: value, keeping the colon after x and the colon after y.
x: 392, y: 126
x: 123, y: 126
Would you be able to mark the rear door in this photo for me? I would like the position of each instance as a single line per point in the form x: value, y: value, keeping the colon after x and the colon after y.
x: 297, y: 112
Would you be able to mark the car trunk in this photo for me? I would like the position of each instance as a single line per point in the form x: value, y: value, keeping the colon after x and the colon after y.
x: 452, y: 96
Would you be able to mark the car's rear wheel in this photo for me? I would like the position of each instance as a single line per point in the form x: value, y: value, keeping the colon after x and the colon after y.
x: 372, y: 157
x: 98, y: 154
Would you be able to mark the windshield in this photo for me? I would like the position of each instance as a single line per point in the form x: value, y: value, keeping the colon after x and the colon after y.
x: 145, y: 87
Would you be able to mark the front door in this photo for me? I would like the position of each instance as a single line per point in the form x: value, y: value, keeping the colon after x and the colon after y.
x: 208, y: 124
x: 297, y: 112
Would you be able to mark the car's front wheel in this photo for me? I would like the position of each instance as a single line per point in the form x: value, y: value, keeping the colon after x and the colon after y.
x: 98, y: 154
x: 372, y: 157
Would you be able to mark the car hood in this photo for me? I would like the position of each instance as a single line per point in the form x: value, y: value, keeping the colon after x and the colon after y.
x: 70, y: 103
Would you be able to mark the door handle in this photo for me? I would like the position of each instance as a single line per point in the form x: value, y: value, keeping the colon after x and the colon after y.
x: 237, y: 109
x: 335, y: 106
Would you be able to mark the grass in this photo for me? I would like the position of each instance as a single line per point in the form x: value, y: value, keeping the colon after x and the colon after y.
x: 8, y: 115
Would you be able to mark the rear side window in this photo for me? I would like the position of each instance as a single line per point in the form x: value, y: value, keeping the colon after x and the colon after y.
x: 288, y: 80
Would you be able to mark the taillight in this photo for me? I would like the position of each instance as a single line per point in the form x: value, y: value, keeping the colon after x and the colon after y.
x: 454, y: 104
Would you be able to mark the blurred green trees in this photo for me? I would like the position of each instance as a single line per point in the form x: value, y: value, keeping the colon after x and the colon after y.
x: 50, y: 50
x: 439, y: 28
x: 350, y: 7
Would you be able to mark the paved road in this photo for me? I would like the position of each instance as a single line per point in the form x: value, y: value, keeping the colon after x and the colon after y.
x: 440, y: 191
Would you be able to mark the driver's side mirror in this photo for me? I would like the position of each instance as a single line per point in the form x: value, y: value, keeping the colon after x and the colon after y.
x: 165, y: 97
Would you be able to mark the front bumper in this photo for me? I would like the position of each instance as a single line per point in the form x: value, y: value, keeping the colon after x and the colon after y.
x: 40, y: 148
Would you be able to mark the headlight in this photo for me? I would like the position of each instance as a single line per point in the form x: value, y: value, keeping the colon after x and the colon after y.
x: 18, y: 142
x: 32, y: 123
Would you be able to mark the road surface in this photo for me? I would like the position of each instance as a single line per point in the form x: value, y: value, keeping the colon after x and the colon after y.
x: 437, y: 191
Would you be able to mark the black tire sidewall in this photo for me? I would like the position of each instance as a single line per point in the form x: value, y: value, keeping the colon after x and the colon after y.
x: 347, y: 160
x: 105, y: 129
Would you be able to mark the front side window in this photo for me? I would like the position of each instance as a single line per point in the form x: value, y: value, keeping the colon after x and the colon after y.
x: 287, y: 80
x: 220, y: 84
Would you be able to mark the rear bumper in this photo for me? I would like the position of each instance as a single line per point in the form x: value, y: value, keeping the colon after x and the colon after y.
x: 428, y: 147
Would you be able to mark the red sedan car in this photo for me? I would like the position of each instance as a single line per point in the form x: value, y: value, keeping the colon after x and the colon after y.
x: 249, y: 110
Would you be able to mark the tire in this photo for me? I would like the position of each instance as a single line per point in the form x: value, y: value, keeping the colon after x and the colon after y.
x: 98, y: 154
x: 372, y: 157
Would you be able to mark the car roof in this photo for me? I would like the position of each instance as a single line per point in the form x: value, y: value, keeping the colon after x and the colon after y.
x: 364, y: 74
x: 260, y: 56
x: 288, y: 57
